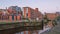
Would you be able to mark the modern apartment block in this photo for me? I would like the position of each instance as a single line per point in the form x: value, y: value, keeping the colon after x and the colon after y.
x: 32, y: 14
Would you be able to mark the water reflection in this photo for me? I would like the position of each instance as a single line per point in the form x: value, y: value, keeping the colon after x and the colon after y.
x: 46, y: 28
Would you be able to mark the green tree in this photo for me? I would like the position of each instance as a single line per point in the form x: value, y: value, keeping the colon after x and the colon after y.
x: 45, y: 20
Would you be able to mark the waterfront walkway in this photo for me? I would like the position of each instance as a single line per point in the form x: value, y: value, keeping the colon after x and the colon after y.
x: 54, y: 30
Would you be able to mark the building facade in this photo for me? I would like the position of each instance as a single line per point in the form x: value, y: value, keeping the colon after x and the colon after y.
x: 15, y: 10
x: 12, y: 13
x: 51, y: 16
x: 32, y: 14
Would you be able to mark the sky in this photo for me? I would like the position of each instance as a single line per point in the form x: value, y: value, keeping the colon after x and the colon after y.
x: 49, y: 6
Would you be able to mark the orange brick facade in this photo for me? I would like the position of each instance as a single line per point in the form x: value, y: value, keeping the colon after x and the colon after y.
x: 32, y: 13
x: 18, y: 17
x: 29, y: 10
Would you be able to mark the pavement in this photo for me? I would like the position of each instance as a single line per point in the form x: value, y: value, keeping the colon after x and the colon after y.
x: 54, y: 30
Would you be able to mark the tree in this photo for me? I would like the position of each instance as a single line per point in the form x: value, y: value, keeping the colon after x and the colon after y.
x: 45, y: 20
x: 58, y: 18
x: 54, y: 22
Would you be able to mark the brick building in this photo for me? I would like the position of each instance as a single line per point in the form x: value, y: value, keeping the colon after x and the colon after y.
x: 15, y: 13
x: 12, y: 13
x: 51, y: 16
x: 32, y: 14
x: 14, y: 10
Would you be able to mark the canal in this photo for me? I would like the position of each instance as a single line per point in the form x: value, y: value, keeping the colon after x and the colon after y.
x: 19, y: 30
x: 22, y: 30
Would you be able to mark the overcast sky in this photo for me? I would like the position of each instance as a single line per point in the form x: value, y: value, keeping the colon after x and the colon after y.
x: 43, y: 5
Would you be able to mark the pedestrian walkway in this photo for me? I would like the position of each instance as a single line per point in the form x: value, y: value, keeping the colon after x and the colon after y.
x: 54, y: 30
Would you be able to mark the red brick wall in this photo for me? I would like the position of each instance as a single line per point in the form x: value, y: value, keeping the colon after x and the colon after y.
x: 36, y: 13
x: 32, y: 13
x: 29, y: 10
x: 51, y: 16
x: 18, y: 17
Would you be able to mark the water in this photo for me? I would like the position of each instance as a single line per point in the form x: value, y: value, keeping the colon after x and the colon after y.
x: 19, y: 31
x: 46, y: 28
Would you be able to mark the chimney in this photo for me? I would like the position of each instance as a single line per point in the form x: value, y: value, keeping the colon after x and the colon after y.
x: 36, y: 9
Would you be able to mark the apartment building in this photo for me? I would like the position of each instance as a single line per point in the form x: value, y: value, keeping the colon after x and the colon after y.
x: 12, y: 13
x: 32, y: 14
x: 14, y: 10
